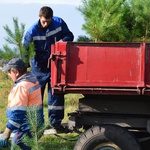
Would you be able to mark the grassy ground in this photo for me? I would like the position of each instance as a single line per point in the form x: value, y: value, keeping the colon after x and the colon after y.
x: 47, y: 142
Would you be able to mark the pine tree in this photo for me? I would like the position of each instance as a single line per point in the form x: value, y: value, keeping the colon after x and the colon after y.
x: 83, y: 39
x: 36, y: 129
x: 15, y: 38
x: 116, y: 20
x: 141, y: 12
x: 8, y: 53
x: 104, y: 19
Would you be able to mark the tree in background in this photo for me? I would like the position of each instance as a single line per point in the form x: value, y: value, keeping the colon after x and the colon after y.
x: 141, y: 13
x: 116, y: 20
x: 7, y: 53
x: 15, y: 39
x: 83, y: 38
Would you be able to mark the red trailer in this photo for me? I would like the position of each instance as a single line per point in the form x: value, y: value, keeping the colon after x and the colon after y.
x: 115, y: 81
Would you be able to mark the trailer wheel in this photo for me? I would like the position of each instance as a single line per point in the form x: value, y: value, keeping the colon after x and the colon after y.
x: 107, y: 137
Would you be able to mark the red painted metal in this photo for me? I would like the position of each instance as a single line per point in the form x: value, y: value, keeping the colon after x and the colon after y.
x: 100, y: 68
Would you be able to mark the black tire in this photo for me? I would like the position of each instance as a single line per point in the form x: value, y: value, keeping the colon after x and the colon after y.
x: 107, y: 137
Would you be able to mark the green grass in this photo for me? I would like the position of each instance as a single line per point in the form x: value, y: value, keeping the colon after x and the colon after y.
x: 47, y: 142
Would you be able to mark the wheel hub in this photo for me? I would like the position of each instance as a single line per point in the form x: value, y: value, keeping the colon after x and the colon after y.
x: 107, y: 146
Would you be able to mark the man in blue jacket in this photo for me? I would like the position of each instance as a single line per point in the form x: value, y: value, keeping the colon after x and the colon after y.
x: 45, y: 32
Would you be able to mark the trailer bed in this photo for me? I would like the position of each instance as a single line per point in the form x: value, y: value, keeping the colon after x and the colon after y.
x: 101, y: 68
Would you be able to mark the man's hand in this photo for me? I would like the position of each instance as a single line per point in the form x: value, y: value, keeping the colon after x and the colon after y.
x: 3, y: 142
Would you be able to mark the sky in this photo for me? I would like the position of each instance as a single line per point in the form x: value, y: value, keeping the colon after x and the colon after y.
x: 66, y: 2
x: 27, y: 12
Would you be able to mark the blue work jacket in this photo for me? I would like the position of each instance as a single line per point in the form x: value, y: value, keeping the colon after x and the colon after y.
x: 44, y: 38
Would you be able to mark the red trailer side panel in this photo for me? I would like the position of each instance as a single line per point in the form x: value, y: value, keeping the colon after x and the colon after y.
x: 99, y: 65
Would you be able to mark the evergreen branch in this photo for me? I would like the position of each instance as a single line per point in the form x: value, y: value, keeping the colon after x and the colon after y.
x: 36, y: 127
